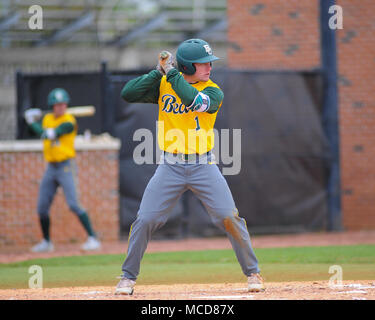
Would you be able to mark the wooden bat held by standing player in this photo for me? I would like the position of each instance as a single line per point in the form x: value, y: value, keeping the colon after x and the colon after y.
x: 77, y: 111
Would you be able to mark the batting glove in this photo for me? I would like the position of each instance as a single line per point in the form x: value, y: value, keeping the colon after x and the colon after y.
x: 166, y: 61
x: 49, y: 134
x: 32, y: 115
x: 160, y: 69
x: 201, y: 103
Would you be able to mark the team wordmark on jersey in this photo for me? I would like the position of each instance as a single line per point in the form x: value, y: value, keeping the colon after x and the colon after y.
x: 170, y: 105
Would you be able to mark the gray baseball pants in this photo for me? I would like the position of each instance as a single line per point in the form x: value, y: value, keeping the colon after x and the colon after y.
x: 59, y: 174
x: 170, y: 181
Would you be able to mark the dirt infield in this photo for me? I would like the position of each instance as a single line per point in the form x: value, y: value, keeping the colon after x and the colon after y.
x: 317, y: 290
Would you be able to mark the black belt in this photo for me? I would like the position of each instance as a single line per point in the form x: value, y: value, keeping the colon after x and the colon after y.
x: 187, y: 157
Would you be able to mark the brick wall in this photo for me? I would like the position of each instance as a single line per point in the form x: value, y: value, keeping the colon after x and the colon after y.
x: 284, y: 35
x: 356, y: 85
x: 273, y: 34
x: 20, y: 175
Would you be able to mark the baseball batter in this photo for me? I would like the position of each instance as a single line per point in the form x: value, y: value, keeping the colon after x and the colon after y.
x: 58, y: 131
x: 188, y: 104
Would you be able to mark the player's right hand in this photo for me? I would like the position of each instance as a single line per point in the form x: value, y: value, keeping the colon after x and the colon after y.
x: 166, y: 61
x: 160, y: 69
x: 32, y: 115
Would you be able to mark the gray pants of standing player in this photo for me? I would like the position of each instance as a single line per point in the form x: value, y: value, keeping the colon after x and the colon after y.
x: 59, y: 174
x: 169, y: 182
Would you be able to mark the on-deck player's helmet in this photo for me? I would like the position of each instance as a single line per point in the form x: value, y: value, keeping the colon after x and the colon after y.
x: 57, y: 95
x: 193, y: 51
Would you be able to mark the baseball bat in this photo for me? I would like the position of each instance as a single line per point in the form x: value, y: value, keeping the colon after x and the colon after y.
x: 78, y: 111
x: 81, y: 111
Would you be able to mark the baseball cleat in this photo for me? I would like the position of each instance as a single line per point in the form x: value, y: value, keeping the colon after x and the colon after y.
x: 43, y: 246
x: 91, y: 244
x: 125, y: 286
x: 255, y: 283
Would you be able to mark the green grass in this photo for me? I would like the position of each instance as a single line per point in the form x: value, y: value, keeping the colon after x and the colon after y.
x: 210, y: 266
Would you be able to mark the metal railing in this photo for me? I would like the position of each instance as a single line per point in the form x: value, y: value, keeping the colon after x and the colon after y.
x: 94, y: 22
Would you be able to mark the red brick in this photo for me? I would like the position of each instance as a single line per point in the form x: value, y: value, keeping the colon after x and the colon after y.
x: 22, y: 172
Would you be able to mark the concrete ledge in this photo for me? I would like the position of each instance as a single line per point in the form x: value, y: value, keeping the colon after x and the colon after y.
x: 102, y: 142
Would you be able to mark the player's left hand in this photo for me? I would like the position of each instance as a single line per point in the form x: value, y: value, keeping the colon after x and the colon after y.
x: 49, y: 134
x: 166, y: 61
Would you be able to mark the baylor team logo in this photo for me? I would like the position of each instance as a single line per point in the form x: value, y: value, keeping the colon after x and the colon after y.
x: 208, y: 49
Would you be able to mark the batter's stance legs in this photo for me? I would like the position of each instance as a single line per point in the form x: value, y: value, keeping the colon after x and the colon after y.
x: 162, y: 193
x: 160, y: 196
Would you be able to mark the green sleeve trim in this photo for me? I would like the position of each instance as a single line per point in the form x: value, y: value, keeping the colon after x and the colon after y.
x: 64, y: 128
x: 143, y: 89
x: 37, y: 128
x: 216, y: 98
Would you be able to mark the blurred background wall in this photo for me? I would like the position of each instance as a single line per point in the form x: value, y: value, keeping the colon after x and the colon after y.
x: 78, y: 34
x: 287, y: 35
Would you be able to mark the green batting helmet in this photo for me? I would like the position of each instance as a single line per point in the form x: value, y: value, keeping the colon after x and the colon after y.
x: 193, y: 51
x: 58, y: 95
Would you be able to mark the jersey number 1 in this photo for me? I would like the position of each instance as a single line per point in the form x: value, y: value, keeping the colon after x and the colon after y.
x: 197, y: 121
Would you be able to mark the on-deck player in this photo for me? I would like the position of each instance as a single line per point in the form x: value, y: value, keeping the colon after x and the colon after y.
x: 58, y: 131
x: 188, y: 103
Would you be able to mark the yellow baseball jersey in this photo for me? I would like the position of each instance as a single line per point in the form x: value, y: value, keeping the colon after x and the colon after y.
x: 180, y: 130
x: 62, y: 148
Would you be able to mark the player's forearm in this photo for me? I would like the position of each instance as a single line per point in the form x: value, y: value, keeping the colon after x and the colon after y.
x: 184, y: 90
x: 188, y: 93
x: 64, y: 128
x: 36, y: 127
x: 143, y: 89
x: 54, y: 133
x: 216, y: 98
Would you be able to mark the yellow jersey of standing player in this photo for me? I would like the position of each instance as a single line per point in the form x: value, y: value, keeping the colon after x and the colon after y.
x: 62, y: 147
x: 187, y: 111
x: 180, y: 130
